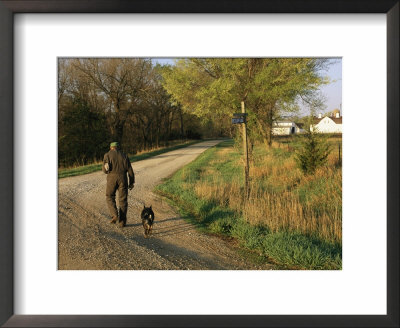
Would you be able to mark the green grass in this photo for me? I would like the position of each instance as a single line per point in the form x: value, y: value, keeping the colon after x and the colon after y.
x: 290, y: 250
x: 80, y: 170
x: 287, y: 249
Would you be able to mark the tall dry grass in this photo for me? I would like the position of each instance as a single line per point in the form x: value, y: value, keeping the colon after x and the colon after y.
x: 281, y: 197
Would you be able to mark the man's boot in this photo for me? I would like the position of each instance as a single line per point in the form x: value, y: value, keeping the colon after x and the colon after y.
x: 122, y: 219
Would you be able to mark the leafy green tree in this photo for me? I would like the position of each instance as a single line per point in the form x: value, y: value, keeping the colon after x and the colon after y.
x: 269, y: 87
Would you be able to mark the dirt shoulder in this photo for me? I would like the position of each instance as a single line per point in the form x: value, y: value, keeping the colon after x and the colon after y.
x: 88, y: 241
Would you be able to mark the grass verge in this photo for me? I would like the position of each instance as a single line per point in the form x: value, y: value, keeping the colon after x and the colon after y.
x: 80, y: 170
x: 291, y: 220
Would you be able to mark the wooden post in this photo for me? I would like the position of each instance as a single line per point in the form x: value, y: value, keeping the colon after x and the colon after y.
x: 246, y: 154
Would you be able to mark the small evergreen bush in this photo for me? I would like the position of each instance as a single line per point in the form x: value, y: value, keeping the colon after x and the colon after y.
x: 313, y: 153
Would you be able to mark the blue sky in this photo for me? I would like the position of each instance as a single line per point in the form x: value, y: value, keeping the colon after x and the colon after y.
x: 332, y: 91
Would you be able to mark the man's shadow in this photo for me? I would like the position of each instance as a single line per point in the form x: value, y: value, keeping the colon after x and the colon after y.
x: 133, y: 224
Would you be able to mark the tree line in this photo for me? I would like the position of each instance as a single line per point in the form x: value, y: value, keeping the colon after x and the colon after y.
x: 116, y: 99
x: 142, y: 105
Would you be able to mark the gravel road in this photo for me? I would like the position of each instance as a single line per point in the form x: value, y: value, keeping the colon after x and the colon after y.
x: 87, y: 241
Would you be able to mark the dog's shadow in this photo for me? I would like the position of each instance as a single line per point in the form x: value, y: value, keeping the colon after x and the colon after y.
x: 155, y: 222
x: 169, y: 219
x: 160, y: 231
x: 172, y: 229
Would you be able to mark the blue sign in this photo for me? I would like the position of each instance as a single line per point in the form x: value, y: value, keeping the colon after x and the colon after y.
x: 238, y: 120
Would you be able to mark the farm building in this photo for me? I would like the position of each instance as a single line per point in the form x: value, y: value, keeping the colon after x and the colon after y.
x: 328, y: 124
x: 286, y: 127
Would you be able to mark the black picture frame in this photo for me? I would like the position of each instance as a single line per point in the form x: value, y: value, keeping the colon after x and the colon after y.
x: 7, y: 10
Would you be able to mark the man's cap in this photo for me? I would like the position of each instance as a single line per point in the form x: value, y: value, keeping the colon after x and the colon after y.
x: 114, y: 144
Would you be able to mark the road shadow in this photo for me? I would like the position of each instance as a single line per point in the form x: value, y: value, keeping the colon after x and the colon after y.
x: 183, y: 258
x: 161, y: 230
x: 169, y: 219
x: 171, y: 230
x: 133, y: 224
x: 155, y: 222
x: 178, y: 254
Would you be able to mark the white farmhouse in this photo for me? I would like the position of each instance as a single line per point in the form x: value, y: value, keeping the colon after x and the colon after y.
x: 328, y: 124
x: 286, y: 127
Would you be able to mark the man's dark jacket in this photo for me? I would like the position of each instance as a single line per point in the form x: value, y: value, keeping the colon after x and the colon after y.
x: 119, y: 164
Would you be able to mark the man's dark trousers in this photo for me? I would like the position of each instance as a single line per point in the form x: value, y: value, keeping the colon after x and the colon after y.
x: 117, y: 182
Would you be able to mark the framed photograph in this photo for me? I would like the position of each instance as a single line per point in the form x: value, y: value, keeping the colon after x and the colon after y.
x: 46, y: 280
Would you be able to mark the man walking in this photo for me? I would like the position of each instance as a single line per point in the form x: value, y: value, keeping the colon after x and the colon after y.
x: 116, y: 165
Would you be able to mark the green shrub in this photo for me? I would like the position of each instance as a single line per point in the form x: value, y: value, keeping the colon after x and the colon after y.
x: 313, y: 153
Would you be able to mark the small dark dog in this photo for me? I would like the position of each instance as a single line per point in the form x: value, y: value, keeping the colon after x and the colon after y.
x: 147, y: 220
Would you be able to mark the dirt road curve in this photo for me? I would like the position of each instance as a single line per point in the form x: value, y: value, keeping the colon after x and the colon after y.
x: 87, y: 241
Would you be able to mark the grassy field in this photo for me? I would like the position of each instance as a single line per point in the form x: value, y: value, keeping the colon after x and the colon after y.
x: 290, y: 219
x: 80, y: 170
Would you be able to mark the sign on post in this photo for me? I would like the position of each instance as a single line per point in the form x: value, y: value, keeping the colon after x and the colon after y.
x: 239, y: 118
